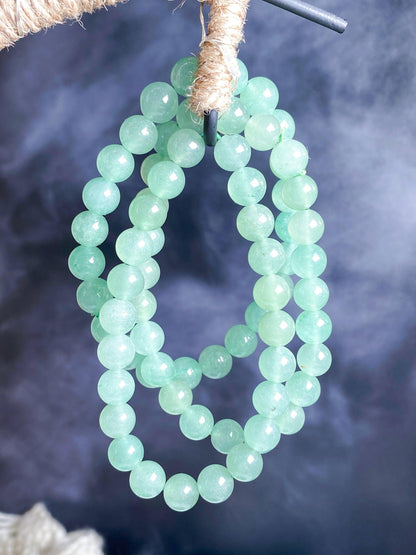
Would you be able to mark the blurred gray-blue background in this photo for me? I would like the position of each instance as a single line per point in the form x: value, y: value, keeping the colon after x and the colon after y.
x: 346, y: 483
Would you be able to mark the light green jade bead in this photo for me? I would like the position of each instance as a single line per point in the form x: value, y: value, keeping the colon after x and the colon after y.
x: 115, y: 387
x: 186, y: 148
x: 157, y: 369
x: 288, y: 159
x: 181, y: 492
x: 117, y: 316
x: 175, y: 397
x: 115, y: 163
x: 313, y: 326
x: 300, y: 192
x: 215, y: 362
x: 234, y: 119
x: 246, y: 186
x: 215, y: 483
x: 314, y: 359
x: 255, y: 222
x: 240, y: 341
x: 260, y: 96
x: 281, y: 226
x: 196, y: 422
x: 86, y: 262
x: 277, y: 197
x: 252, y: 316
x: 261, y: 433
x: 138, y: 134
x: 262, y: 131
x: 164, y: 133
x: 89, y: 229
x: 270, y: 399
x: 311, y: 294
x: 117, y: 420
x: 188, y: 371
x: 187, y: 119
x: 305, y: 227
x: 183, y: 74
x: 145, y: 305
x: 151, y: 272
x: 166, y: 180
x: 308, y: 261
x: 287, y: 124
x: 148, y: 211
x: 125, y: 452
x: 147, y: 479
x: 150, y: 161
x: 116, y: 351
x: 134, y: 246
x: 276, y: 328
x: 271, y: 292
x: 244, y: 463
x: 92, y: 294
x: 226, y: 434
x: 266, y: 257
x: 97, y: 330
x: 232, y: 152
x: 159, y: 102
x: 277, y: 364
x: 158, y: 240
x: 139, y: 375
x: 148, y: 338
x: 292, y: 420
x: 243, y: 77
x: 125, y: 282
x: 303, y: 390
x: 101, y: 196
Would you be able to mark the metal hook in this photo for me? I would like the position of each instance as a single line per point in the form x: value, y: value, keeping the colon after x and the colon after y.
x: 210, y: 127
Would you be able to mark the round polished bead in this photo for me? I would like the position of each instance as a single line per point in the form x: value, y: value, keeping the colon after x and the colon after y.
x: 145, y: 305
x: 148, y: 338
x: 157, y: 237
x: 246, y: 186
x: 311, y: 293
x: 89, y: 229
x: 313, y: 326
x: 125, y: 452
x: 277, y: 197
x: 303, y: 390
x: 276, y: 328
x: 97, y: 330
x: 305, y: 227
x: 188, y: 371
x: 262, y: 131
x: 139, y: 375
x: 215, y: 362
x: 186, y: 148
x: 226, y: 434
x: 242, y: 78
x: 255, y: 222
x: 292, y: 420
x: 314, y: 359
x: 215, y: 483
x: 244, y: 463
x: 240, y: 341
x: 115, y: 387
x: 157, y: 369
x: 196, y: 422
x: 92, y: 294
x: 234, y: 119
x: 147, y: 479
x: 266, y: 257
x: 159, y: 102
x: 181, y: 492
x: 281, y: 226
x: 116, y: 351
x: 164, y: 133
x: 183, y: 74
x: 187, y: 119
x: 300, y: 192
x: 151, y: 272
x: 261, y: 433
x: 166, y: 180
x: 270, y: 399
x: 134, y: 246
x: 277, y: 364
x: 117, y: 420
x: 232, y: 152
x: 86, y: 262
x: 148, y: 211
x: 101, y: 196
x: 115, y: 163
x: 175, y: 397
x: 308, y: 261
x: 271, y: 292
x: 117, y: 316
x: 260, y: 96
x: 288, y: 158
x: 125, y: 282
x: 252, y: 316
x: 138, y: 134
x: 287, y: 124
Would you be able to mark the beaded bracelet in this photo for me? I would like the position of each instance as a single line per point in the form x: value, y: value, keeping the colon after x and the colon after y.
x: 123, y: 304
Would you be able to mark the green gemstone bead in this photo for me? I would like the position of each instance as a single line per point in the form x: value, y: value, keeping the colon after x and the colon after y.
x: 226, y: 434
x: 277, y: 197
x: 166, y: 180
x: 181, y: 492
x: 147, y: 479
x: 314, y: 359
x: 305, y: 227
x: 92, y: 294
x: 186, y: 148
x: 311, y: 294
x: 89, y: 229
x: 117, y: 420
x: 234, y: 119
x: 215, y: 362
x: 260, y: 96
x: 117, y: 316
x: 276, y: 328
x: 288, y: 159
x: 243, y: 77
x: 159, y: 102
x: 149, y: 162
x: 101, y: 196
x: 115, y: 387
x: 188, y: 371
x: 145, y: 305
x: 148, y: 211
x: 232, y: 152
x: 125, y: 282
x: 255, y: 222
x: 183, y: 74
x: 261, y: 433
x: 158, y: 240
x: 266, y: 257
x: 158, y: 369
x: 175, y: 397
x: 292, y: 420
x: 148, y: 338
x: 308, y: 261
x: 300, y: 192
x: 116, y: 352
x: 134, y: 246
x: 138, y: 134
x: 115, y: 163
x: 246, y: 186
x: 303, y: 390
x: 240, y: 341
x: 125, y: 452
x: 139, y: 375
x: 165, y: 132
x: 270, y: 399
x: 97, y: 330
x: 86, y: 262
x: 244, y: 464
x: 287, y: 124
x: 287, y: 269
x: 187, y: 119
x: 196, y: 422
x: 281, y: 226
x: 271, y: 292
x: 277, y: 364
x: 313, y: 326
x: 215, y: 483
x: 252, y: 316
x: 151, y: 273
x: 262, y: 131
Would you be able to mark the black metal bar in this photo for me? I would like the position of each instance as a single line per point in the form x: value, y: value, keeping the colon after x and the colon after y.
x: 210, y: 127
